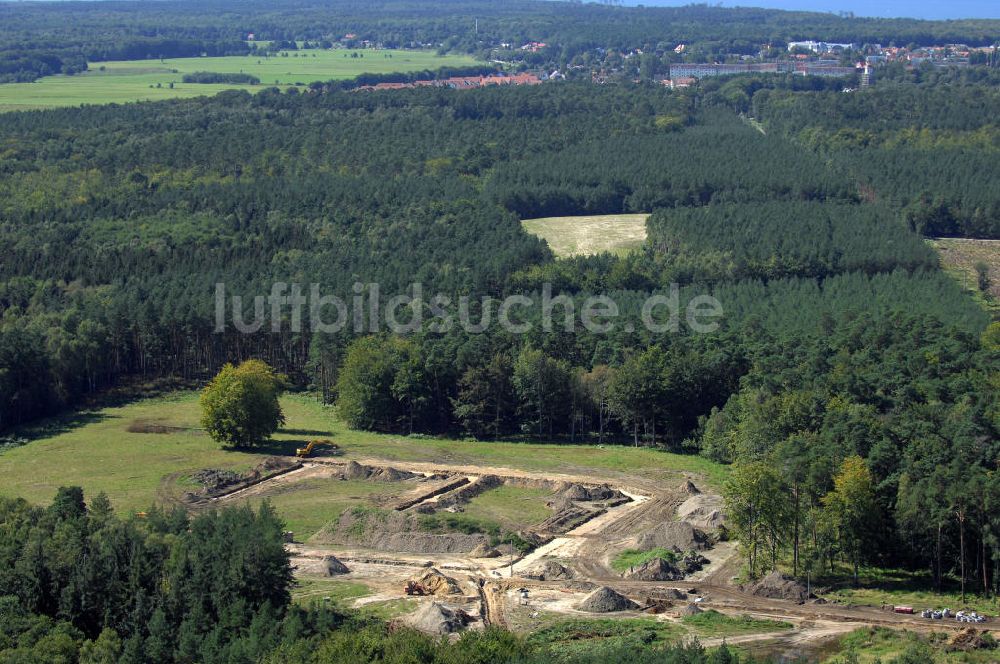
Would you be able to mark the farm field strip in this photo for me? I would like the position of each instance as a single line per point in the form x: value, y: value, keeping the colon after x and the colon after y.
x: 127, y: 81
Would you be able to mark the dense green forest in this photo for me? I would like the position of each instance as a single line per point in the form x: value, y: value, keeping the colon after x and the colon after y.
x: 840, y: 335
x: 925, y: 141
x: 38, y: 39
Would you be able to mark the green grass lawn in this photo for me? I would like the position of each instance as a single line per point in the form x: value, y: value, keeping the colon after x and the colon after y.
x: 711, y: 623
x: 514, y: 508
x: 580, y: 236
x: 308, y: 589
x: 96, y: 450
x: 310, y: 504
x: 130, y: 81
x: 342, y: 593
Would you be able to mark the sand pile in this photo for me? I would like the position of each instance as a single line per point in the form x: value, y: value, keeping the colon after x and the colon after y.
x: 606, y: 600
x: 435, y: 618
x: 433, y: 582
x: 484, y: 550
x: 675, y: 535
x: 332, y: 566
x: 550, y: 571
x: 702, y: 511
x: 777, y: 586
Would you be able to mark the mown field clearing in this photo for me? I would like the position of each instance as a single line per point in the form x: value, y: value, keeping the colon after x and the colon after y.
x: 309, y: 505
x: 714, y: 624
x: 138, y: 80
x: 959, y: 258
x: 583, y: 236
x: 108, y: 450
x: 514, y: 508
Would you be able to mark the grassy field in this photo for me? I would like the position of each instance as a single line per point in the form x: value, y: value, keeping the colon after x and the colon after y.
x: 876, y: 644
x: 310, y: 504
x: 711, y: 624
x: 514, y: 508
x: 145, y: 80
x: 343, y: 593
x: 96, y: 450
x: 580, y: 236
x: 959, y: 258
x: 579, y: 636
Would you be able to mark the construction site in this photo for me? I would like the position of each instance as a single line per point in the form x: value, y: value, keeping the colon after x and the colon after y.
x: 427, y: 540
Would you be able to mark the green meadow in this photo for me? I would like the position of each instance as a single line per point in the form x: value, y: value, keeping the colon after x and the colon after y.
x: 588, y: 235
x: 115, y: 450
x: 148, y: 80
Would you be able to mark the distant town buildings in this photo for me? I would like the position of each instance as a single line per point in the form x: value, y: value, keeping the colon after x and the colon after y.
x: 820, y: 47
x: 805, y: 68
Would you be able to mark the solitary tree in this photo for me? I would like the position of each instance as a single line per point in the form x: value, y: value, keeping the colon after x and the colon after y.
x: 240, y: 406
x: 983, y: 276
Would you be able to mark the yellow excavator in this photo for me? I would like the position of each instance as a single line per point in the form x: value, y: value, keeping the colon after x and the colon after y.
x: 306, y: 452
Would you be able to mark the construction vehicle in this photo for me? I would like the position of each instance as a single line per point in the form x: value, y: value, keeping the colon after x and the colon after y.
x: 306, y: 452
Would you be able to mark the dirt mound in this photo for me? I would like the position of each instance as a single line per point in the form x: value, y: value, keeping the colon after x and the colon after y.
x: 702, y: 511
x: 550, y: 571
x: 433, y: 582
x: 656, y: 569
x: 777, y: 586
x: 689, y: 610
x: 355, y: 471
x: 582, y: 493
x: 470, y: 490
x: 692, y: 562
x: 213, y: 479
x: 675, y: 535
x: 606, y: 600
x: 332, y: 566
x: 657, y: 606
x: 484, y: 550
x: 673, y: 593
x: 971, y: 638
x: 435, y: 618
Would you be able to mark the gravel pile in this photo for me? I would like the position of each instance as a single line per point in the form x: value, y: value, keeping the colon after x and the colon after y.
x: 777, y: 586
x: 435, y: 618
x: 606, y: 600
